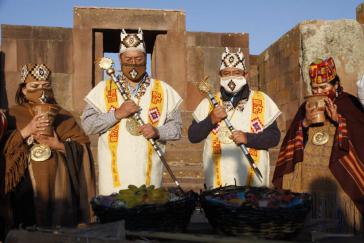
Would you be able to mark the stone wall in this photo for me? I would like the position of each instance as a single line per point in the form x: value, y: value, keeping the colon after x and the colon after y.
x: 279, y: 77
x: 30, y: 44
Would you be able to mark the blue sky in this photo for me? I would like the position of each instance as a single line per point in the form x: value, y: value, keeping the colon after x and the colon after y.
x: 264, y: 20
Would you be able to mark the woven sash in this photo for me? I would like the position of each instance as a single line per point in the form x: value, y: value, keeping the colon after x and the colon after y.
x: 111, y: 101
x: 256, y: 125
x: 154, y: 114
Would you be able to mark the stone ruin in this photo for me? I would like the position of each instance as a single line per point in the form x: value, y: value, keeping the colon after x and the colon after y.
x: 182, y: 59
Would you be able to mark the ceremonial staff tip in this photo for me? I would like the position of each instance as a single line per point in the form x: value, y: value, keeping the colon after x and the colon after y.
x: 204, y: 86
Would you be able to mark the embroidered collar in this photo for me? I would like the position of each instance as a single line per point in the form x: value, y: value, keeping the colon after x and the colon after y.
x: 139, y: 90
x: 240, y: 106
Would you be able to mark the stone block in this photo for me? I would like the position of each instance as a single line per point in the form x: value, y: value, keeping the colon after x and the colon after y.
x: 51, y: 33
x: 271, y: 87
x: 11, y: 85
x: 184, y: 145
x: 205, y: 39
x: 170, y: 49
x: 195, y: 64
x: 360, y: 13
x: 186, y: 156
x: 16, y: 32
x: 340, y: 39
x: 212, y: 62
x: 99, y: 53
x: 99, y: 18
x: 25, y: 52
x: 62, y: 88
x: 9, y: 50
x: 60, y: 56
x: 40, y: 49
x: 193, y: 96
x: 82, y: 59
x: 235, y: 40
x: 209, y: 39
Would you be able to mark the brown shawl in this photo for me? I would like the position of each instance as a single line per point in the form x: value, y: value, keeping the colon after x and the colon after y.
x: 64, y: 184
x: 347, y: 156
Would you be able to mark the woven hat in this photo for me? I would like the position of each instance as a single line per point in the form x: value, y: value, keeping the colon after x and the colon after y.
x: 134, y: 41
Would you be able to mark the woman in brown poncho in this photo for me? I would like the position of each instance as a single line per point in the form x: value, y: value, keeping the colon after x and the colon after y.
x: 54, y: 184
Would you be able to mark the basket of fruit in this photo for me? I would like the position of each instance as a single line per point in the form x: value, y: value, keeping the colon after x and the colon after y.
x: 253, y: 211
x: 147, y: 208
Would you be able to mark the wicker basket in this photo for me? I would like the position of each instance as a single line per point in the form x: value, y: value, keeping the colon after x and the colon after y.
x: 172, y: 216
x: 264, y: 222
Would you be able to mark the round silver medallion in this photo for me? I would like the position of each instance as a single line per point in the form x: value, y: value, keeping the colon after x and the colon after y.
x: 320, y: 138
x: 40, y: 152
x: 132, y: 126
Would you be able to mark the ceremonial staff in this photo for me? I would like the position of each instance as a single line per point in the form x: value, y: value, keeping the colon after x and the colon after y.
x: 205, y: 87
x: 107, y: 65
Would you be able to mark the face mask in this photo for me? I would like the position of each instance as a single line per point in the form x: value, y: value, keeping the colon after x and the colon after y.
x: 39, y: 96
x: 133, y: 72
x: 232, y: 84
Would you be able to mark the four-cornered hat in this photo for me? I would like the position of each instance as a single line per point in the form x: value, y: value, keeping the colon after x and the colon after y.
x: 132, y: 41
x: 322, y: 70
x: 34, y: 72
x: 233, y: 59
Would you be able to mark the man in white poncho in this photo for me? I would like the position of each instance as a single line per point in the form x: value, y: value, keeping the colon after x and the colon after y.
x: 252, y: 113
x: 125, y: 157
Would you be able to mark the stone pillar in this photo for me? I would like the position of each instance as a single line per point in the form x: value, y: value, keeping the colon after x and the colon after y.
x: 98, y: 53
x: 360, y: 13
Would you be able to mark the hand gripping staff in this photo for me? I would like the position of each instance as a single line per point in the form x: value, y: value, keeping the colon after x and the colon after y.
x: 107, y: 65
x: 205, y: 87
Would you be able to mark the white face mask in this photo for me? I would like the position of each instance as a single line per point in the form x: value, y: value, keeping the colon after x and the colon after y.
x: 233, y: 84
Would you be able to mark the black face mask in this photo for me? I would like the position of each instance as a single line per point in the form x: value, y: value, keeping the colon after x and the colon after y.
x: 40, y: 96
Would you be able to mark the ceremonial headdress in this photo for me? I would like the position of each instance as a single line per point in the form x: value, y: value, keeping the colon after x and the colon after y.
x: 233, y: 59
x: 134, y: 41
x: 322, y: 71
x: 34, y: 72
